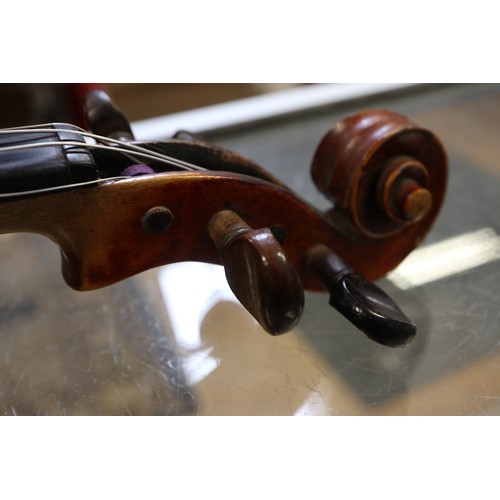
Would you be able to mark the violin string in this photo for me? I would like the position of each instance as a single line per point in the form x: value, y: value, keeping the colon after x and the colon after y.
x: 62, y: 187
x: 145, y: 153
x: 81, y: 132
x: 38, y: 125
x: 92, y: 146
x: 138, y: 150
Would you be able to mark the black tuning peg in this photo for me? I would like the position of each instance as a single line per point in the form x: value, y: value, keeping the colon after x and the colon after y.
x: 104, y: 117
x: 364, y: 304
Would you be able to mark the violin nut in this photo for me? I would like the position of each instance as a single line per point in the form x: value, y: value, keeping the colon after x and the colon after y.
x: 157, y: 220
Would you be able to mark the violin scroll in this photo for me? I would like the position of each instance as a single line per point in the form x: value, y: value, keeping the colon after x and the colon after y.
x: 382, y: 171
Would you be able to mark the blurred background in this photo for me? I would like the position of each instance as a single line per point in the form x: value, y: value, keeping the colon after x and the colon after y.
x: 32, y: 103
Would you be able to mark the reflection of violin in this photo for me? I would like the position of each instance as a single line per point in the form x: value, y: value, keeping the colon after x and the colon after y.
x: 116, y: 207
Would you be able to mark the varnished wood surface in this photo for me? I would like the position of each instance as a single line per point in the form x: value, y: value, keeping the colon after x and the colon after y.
x: 102, y: 239
x: 354, y: 161
x: 81, y: 353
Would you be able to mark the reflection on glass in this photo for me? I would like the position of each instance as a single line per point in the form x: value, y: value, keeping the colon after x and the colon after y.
x: 233, y: 367
x: 190, y: 290
x: 446, y: 258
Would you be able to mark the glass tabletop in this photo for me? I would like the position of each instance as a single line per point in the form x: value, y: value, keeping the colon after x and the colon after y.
x: 175, y: 341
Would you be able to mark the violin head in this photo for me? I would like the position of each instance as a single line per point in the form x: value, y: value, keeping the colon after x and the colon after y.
x: 154, y: 203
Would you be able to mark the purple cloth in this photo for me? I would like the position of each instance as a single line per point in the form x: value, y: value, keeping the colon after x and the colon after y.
x: 139, y: 169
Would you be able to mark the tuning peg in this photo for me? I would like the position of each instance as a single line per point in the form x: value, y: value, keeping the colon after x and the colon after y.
x: 104, y: 117
x: 364, y: 304
x: 258, y: 272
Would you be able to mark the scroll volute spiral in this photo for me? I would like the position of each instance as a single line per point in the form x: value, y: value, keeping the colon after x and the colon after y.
x: 382, y: 171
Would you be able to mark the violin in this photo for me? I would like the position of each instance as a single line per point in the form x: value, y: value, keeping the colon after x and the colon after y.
x: 117, y: 206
